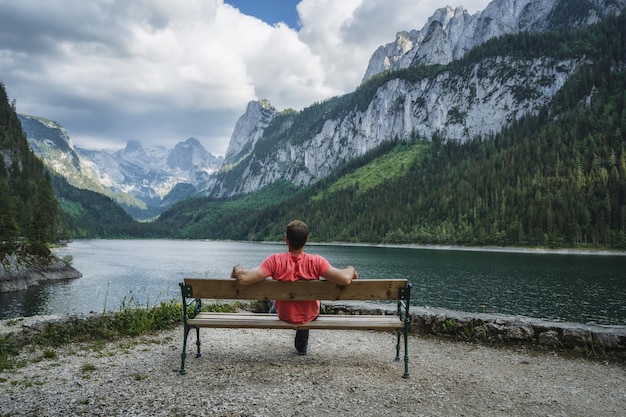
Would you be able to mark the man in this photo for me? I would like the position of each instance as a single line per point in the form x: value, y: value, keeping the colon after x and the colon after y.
x: 292, y: 266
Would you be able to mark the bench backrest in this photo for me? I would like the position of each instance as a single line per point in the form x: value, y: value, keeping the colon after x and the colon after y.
x: 360, y: 289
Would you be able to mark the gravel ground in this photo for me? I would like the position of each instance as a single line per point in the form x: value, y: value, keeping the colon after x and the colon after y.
x: 258, y: 373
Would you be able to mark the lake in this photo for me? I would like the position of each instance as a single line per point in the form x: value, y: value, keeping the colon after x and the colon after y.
x: 567, y: 287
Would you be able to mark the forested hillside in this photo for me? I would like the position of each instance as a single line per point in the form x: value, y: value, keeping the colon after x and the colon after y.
x: 29, y: 213
x: 557, y: 178
x: 87, y: 214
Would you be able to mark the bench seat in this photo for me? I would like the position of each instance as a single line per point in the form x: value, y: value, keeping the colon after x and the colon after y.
x: 271, y: 321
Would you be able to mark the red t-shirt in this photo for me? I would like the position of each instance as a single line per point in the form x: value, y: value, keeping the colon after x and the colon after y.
x: 286, y: 267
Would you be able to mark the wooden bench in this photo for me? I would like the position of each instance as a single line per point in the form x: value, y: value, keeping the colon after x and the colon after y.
x: 193, y: 290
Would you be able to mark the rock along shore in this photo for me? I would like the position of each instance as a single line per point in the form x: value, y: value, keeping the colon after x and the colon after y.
x: 19, y: 273
x: 591, y: 339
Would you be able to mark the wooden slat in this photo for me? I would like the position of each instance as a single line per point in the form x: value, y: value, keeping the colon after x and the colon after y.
x: 270, y: 321
x: 361, y: 289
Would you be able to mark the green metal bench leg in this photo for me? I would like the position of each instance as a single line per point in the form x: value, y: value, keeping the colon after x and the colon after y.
x: 398, y: 347
x: 184, y: 354
x: 406, y: 353
x: 198, y: 354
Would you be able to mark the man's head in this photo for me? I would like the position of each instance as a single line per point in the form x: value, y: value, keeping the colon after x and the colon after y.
x: 297, y: 234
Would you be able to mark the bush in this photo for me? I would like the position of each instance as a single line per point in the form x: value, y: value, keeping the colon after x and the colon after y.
x: 130, y: 320
x: 8, y: 350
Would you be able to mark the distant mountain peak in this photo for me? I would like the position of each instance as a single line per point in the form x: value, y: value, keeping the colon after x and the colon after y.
x: 435, y: 48
x: 133, y: 146
x: 191, y: 141
x: 464, y: 32
x: 188, y: 155
x: 139, y: 179
x: 248, y: 129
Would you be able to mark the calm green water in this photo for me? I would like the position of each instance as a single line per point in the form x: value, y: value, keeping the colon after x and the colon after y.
x: 577, y: 288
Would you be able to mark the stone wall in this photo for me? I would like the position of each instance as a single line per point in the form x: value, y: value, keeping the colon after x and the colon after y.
x: 588, y: 339
x: 491, y: 329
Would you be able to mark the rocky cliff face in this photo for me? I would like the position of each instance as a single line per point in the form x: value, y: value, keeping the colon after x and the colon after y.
x: 48, y: 138
x: 449, y: 33
x: 248, y: 129
x: 458, y: 103
x: 435, y: 48
x: 475, y: 101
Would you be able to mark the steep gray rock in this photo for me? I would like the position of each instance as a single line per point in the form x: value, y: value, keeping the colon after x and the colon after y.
x: 435, y: 48
x: 248, y: 129
x: 458, y: 104
x: 465, y: 31
x: 394, y: 55
x: 190, y: 155
x: 46, y: 137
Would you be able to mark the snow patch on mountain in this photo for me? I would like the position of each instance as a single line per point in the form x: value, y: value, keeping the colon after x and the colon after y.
x: 139, y: 179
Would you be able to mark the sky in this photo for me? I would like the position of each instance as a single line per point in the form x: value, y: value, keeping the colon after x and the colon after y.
x: 161, y: 71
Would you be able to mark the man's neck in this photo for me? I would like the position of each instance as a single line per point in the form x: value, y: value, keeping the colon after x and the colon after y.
x: 296, y: 252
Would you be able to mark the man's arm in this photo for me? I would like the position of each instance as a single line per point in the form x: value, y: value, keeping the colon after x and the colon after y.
x: 248, y: 276
x: 340, y: 276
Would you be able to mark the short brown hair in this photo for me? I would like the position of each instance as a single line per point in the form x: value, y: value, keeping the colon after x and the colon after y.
x: 297, y: 234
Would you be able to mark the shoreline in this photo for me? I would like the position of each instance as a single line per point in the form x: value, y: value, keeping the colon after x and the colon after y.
x: 502, y: 249
x: 20, y: 273
x: 581, y: 320
x: 514, y: 331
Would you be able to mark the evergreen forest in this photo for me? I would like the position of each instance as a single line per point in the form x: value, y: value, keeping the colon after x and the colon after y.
x: 30, y: 216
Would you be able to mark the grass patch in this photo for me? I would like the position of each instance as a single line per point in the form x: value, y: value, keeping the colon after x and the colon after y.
x: 87, y: 369
x: 8, y: 350
x: 131, y: 320
x: 391, y: 165
x: 217, y: 307
x: 139, y: 377
x: 49, y: 354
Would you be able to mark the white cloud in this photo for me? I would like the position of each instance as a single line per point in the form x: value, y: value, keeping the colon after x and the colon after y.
x: 346, y: 33
x: 162, y: 70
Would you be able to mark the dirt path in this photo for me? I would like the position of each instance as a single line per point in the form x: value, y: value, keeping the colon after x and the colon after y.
x: 257, y: 373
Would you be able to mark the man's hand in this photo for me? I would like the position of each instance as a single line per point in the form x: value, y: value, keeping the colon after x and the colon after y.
x: 354, y: 275
x: 233, y: 274
x: 247, y: 276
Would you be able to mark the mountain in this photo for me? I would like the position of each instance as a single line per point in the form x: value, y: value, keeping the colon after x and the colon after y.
x: 480, y: 92
x: 248, y: 129
x: 554, y: 177
x: 450, y: 33
x: 138, y: 179
x: 51, y: 143
x: 518, y: 142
